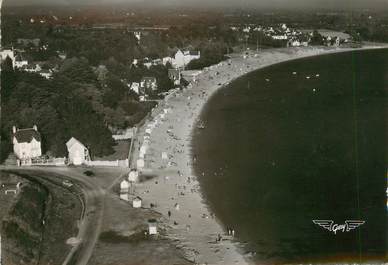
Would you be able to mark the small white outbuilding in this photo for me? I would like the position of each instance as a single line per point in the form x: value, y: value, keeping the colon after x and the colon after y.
x: 136, y: 202
x: 124, y: 186
x: 78, y: 153
x: 152, y: 227
x: 133, y: 176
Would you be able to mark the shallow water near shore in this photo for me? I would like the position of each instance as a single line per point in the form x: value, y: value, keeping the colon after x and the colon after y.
x: 295, y: 142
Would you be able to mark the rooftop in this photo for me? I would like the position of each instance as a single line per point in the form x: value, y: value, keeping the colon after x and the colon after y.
x: 26, y: 135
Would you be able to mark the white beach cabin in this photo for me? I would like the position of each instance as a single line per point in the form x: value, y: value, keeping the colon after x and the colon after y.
x: 133, y: 176
x: 136, y: 203
x: 152, y: 227
x: 124, y: 186
x: 78, y: 153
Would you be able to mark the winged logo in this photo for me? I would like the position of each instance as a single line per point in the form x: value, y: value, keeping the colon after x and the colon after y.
x: 332, y: 227
x: 327, y: 224
x: 353, y: 224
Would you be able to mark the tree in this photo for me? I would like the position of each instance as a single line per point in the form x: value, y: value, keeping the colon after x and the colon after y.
x: 114, y: 92
x: 317, y: 39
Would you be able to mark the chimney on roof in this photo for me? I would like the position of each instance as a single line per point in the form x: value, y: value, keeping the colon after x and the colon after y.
x: 14, y: 129
x: 35, y: 127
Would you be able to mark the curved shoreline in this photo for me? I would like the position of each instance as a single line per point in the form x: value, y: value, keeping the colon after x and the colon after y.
x: 170, y: 133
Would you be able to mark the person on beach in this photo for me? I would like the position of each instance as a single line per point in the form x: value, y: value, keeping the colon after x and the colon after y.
x: 169, y: 214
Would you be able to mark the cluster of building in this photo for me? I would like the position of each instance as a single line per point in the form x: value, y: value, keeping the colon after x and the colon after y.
x: 293, y: 37
x: 27, y: 147
x: 334, y: 38
x: 149, y: 84
x: 179, y: 60
x: 127, y: 194
x: 20, y: 63
x: 279, y: 32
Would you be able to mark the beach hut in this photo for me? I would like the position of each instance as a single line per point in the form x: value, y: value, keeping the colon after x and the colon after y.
x: 140, y: 163
x: 124, y: 196
x: 141, y: 155
x: 152, y: 227
x: 164, y: 156
x: 124, y: 186
x: 136, y: 202
x: 143, y: 149
x: 149, y: 131
x: 133, y: 176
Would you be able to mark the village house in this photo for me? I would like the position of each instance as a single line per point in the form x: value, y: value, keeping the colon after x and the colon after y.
x: 147, y: 85
x: 46, y: 73
x: 147, y: 63
x: 332, y: 41
x: 135, y: 62
x: 167, y: 59
x: 175, y: 76
x: 26, y: 143
x: 125, y: 134
x: 20, y: 62
x: 279, y: 37
x: 32, y: 68
x: 62, y: 55
x: 8, y: 53
x: 137, y: 35
x: 78, y: 153
x: 182, y: 59
x: 135, y: 87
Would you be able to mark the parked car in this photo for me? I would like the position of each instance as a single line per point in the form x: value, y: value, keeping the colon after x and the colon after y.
x: 67, y: 183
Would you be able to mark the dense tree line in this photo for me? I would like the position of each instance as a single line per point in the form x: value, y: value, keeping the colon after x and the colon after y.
x: 63, y: 107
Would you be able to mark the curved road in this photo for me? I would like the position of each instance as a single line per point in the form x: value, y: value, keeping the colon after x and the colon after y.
x: 94, y: 203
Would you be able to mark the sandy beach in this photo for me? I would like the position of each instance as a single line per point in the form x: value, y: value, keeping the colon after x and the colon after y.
x: 163, y: 143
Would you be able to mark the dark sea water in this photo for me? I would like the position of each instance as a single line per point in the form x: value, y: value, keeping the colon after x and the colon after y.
x: 277, y: 154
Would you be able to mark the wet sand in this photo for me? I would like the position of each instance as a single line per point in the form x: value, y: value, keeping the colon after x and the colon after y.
x: 164, y: 144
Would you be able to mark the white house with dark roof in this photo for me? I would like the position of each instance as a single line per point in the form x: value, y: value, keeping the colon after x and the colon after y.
x: 181, y: 59
x: 148, y: 84
x: 26, y: 143
x: 8, y: 53
x: 78, y: 153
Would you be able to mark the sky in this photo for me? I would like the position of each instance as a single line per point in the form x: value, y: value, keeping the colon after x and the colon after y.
x: 330, y: 4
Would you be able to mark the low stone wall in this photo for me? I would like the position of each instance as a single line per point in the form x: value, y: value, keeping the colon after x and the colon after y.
x: 116, y: 163
x: 48, y: 162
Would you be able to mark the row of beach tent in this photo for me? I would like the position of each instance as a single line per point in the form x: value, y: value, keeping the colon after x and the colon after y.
x: 146, y: 138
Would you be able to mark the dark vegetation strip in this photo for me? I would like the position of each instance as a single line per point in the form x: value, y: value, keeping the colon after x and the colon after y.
x: 42, y: 220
